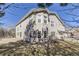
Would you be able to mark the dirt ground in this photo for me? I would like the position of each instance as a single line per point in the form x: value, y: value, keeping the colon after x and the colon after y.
x: 21, y: 48
x: 7, y: 40
x: 68, y: 47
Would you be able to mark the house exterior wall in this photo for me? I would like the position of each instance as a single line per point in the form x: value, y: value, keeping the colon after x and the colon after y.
x: 56, y: 25
x: 20, y: 29
x: 52, y: 22
x: 40, y: 21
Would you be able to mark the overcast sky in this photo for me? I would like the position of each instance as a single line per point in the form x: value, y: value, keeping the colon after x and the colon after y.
x: 16, y: 11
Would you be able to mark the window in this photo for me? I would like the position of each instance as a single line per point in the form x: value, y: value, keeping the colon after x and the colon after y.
x: 39, y: 15
x: 48, y: 20
x: 39, y: 34
x: 20, y: 34
x: 52, y: 23
x: 30, y: 35
x: 33, y: 22
x: 34, y: 34
x: 39, y: 20
x: 53, y: 33
x: 20, y: 25
x: 45, y: 21
x: 45, y: 34
x: 61, y: 32
x: 17, y: 28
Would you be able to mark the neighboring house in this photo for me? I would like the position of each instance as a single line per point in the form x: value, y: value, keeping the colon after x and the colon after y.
x: 40, y: 23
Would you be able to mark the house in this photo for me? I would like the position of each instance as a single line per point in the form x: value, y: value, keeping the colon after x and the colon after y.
x: 40, y: 23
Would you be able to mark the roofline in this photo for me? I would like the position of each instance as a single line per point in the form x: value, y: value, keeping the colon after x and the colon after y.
x: 58, y: 18
x: 30, y: 13
x: 24, y: 17
x: 34, y: 12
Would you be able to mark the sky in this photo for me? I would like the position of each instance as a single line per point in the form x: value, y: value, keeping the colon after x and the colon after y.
x: 69, y: 14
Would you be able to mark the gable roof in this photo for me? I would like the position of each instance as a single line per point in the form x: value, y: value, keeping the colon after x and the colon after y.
x: 33, y: 11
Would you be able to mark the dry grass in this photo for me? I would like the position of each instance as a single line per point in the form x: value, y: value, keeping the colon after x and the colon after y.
x: 21, y: 48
